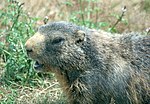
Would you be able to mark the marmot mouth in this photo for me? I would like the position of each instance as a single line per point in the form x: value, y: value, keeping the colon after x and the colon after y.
x: 38, y: 65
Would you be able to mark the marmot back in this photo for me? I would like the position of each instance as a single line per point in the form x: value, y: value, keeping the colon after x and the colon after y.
x: 93, y: 66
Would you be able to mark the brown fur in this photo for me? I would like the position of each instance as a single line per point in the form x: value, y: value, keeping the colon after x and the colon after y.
x: 93, y: 66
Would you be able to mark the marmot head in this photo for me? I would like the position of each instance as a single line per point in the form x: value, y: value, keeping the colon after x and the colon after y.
x: 56, y: 45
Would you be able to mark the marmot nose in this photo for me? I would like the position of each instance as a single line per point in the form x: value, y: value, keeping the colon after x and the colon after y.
x: 28, y: 48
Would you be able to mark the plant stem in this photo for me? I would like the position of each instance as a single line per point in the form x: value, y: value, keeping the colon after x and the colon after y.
x: 82, y: 16
x: 120, y: 18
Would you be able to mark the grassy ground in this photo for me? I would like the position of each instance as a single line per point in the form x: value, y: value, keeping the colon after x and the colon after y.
x: 19, y: 83
x: 103, y: 12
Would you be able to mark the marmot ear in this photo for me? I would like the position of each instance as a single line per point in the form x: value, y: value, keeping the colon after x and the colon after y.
x: 79, y: 36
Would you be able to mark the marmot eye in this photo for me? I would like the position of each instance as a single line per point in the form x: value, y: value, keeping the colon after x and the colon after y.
x: 58, y: 40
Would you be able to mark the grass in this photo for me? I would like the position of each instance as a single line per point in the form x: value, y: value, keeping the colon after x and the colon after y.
x: 100, y: 12
x: 19, y: 83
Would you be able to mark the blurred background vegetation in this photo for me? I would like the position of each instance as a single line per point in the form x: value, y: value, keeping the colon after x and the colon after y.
x: 19, y: 83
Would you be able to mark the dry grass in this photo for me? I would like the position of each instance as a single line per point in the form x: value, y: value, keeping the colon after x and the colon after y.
x: 137, y: 14
x: 49, y: 93
x: 45, y: 95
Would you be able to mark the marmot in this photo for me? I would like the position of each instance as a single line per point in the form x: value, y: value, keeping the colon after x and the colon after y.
x: 93, y: 66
